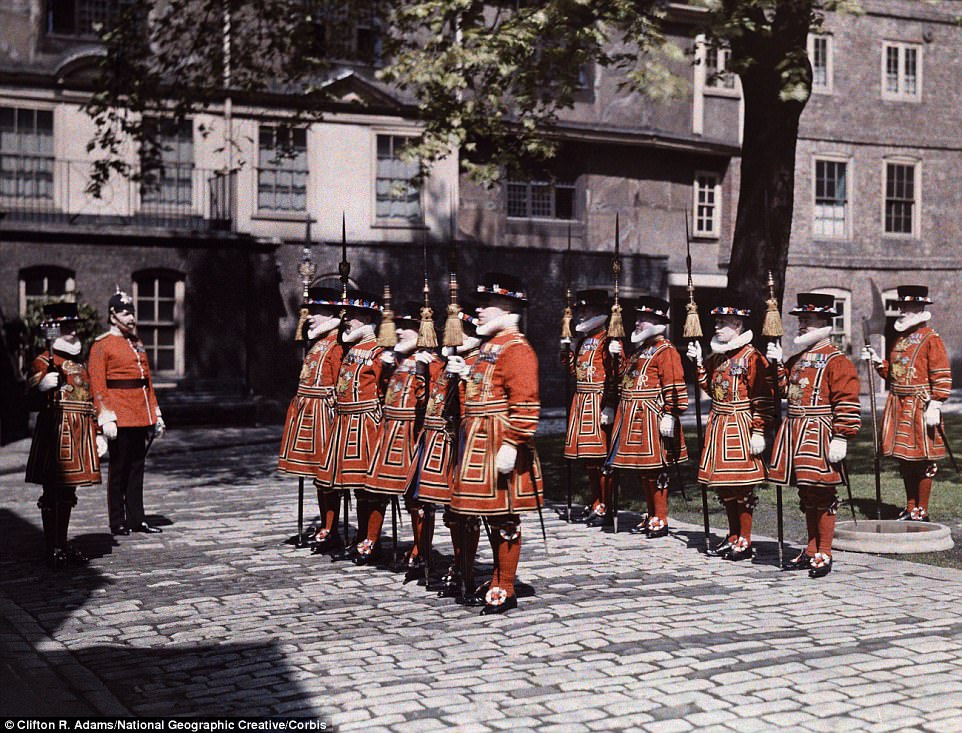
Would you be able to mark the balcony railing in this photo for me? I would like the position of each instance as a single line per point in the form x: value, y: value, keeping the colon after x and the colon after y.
x: 47, y: 191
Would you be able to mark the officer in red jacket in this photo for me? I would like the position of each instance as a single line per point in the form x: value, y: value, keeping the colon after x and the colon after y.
x: 127, y: 412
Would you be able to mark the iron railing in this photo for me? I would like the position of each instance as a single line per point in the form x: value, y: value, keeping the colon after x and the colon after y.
x: 48, y: 191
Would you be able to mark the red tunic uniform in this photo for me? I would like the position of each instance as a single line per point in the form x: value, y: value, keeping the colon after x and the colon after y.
x: 64, y: 447
x: 593, y: 368
x: 652, y: 385
x: 395, y: 457
x: 917, y: 370
x: 357, y: 419
x: 439, y: 459
x: 501, y: 405
x: 310, y: 415
x: 120, y: 380
x: 740, y: 385
x: 821, y: 385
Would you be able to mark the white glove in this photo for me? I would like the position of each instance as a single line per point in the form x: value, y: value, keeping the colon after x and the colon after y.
x: 456, y: 366
x: 160, y: 427
x: 837, y: 450
x: 506, y: 458
x: 424, y: 357
x: 667, y: 426
x: 50, y: 381
x: 757, y: 444
x: 870, y: 354
x: 607, y: 415
x: 110, y: 430
x: 101, y: 446
x: 933, y: 414
x: 388, y: 358
x: 694, y: 352
x: 565, y: 344
x: 774, y: 351
x: 615, y: 348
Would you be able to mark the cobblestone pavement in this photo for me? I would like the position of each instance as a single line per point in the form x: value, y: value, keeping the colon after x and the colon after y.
x: 218, y: 616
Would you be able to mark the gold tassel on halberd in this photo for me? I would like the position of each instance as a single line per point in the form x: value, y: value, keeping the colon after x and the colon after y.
x: 692, y: 329
x: 453, y: 330
x: 772, y: 325
x: 300, y: 332
x: 616, y: 328
x: 387, y: 332
x: 427, y: 336
x: 566, y: 317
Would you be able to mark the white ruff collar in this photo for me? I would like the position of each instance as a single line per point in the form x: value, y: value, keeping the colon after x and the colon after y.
x: 904, y: 323
x: 66, y: 347
x: 406, y: 346
x: 591, y: 324
x: 325, y: 328
x: 812, y: 337
x: 359, y: 334
x: 639, y: 337
x: 499, y: 324
x: 468, y: 344
x: 717, y: 347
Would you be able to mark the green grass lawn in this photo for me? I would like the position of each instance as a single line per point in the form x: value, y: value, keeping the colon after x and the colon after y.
x: 945, y: 506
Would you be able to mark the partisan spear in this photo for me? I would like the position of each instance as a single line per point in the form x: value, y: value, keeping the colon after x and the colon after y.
x: 344, y: 270
x: 692, y: 332
x: 772, y: 330
x: 387, y: 338
x: 566, y: 317
x: 616, y: 330
x: 877, y: 462
x: 306, y: 270
x: 427, y: 339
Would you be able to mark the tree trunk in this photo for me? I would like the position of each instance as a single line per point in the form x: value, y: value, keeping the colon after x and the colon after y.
x: 775, y: 86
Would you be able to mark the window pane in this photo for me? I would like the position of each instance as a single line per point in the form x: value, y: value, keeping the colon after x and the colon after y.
x: 892, y: 69
x: 165, y: 337
x: 517, y: 200
x: 396, y: 197
x: 164, y: 361
x: 165, y: 287
x: 165, y: 310
x: 909, y: 75
x: 145, y: 310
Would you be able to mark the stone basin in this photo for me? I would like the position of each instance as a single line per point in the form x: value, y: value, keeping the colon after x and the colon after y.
x: 892, y: 537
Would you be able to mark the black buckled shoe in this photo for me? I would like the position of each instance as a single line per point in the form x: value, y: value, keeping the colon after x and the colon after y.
x: 821, y: 566
x: 595, y: 520
x: 364, y: 552
x: 75, y: 555
x: 721, y: 550
x: 642, y: 526
x: 329, y: 544
x: 904, y: 516
x: 120, y: 530
x: 741, y: 553
x: 802, y: 562
x: 146, y: 529
x: 654, y: 534
x: 509, y: 603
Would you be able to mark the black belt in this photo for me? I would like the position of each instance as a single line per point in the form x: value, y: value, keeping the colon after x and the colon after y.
x: 126, y: 383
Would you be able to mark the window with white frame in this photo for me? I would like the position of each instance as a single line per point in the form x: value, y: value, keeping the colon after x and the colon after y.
x: 717, y: 62
x: 159, y: 299
x: 901, y: 198
x: 831, y: 199
x: 707, y: 204
x: 84, y: 18
x: 397, y: 194
x: 541, y: 200
x: 842, y: 323
x: 820, y: 55
x: 45, y: 284
x: 282, y: 169
x: 26, y: 154
x: 172, y: 183
x: 902, y: 71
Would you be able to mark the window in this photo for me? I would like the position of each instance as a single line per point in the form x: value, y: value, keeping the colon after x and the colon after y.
x: 80, y: 17
x: 397, y: 196
x: 541, y: 200
x: 717, y: 61
x: 282, y: 169
x: 44, y: 284
x: 172, y: 184
x: 342, y: 30
x: 842, y: 323
x: 159, y: 299
x: 901, y: 191
x: 707, y: 205
x: 26, y: 154
x: 831, y: 199
x: 902, y: 71
x: 820, y: 55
